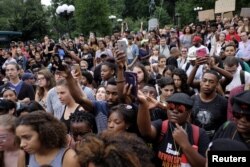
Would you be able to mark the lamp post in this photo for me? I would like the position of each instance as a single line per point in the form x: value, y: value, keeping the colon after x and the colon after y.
x: 66, y: 11
x: 197, y: 9
x: 112, y: 18
x: 178, y: 16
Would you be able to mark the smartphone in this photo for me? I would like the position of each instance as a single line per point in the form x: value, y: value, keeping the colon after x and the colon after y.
x: 122, y: 45
x: 201, y: 52
x: 131, y: 79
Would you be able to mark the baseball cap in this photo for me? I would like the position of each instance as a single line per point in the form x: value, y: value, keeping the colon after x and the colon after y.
x: 144, y: 41
x: 197, y: 39
x: 181, y: 98
x: 27, y: 76
x: 241, y: 102
x: 225, y: 144
x: 172, y: 30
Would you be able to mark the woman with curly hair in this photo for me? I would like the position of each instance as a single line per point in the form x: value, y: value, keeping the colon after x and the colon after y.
x: 43, y: 137
x: 180, y: 82
x: 114, y: 149
x: 46, y: 81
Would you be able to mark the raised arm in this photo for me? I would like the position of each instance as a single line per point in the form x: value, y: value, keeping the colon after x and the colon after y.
x: 228, y: 76
x: 143, y: 118
x: 77, y: 93
x: 71, y: 53
x: 191, y: 81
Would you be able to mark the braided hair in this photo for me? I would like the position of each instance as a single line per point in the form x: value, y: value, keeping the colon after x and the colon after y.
x: 86, y: 117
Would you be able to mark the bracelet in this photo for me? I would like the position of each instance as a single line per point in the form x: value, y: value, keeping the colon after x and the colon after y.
x: 121, y: 81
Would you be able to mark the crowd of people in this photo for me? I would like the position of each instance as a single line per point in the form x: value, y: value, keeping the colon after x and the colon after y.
x: 70, y: 102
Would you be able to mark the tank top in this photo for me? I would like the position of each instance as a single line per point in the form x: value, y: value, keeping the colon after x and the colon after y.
x: 67, y: 121
x: 56, y: 162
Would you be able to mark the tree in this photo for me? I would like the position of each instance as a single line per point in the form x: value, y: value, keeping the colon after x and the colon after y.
x: 92, y: 15
x: 28, y: 17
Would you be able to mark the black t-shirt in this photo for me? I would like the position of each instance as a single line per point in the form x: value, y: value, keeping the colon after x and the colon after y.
x: 229, y: 130
x: 209, y: 115
x: 169, y: 152
x: 158, y: 113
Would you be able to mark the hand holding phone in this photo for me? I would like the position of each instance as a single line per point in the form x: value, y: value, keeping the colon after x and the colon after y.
x: 201, y: 52
x: 122, y: 45
x: 131, y: 79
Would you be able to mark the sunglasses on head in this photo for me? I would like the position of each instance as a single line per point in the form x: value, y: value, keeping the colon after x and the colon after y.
x: 179, y: 107
x: 238, y: 115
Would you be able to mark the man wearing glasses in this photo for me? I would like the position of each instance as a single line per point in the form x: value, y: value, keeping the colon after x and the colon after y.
x: 239, y: 129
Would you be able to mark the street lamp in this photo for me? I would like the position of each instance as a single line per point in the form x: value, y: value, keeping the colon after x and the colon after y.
x: 112, y: 18
x: 178, y: 16
x: 66, y: 11
x: 119, y: 20
x: 197, y: 9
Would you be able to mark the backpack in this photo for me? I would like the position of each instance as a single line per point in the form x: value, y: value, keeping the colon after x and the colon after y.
x: 195, y: 129
x: 242, y: 77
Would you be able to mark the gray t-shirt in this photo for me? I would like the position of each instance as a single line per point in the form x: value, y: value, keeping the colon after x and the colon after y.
x: 209, y: 115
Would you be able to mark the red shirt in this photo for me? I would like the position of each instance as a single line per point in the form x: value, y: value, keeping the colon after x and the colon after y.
x: 229, y: 37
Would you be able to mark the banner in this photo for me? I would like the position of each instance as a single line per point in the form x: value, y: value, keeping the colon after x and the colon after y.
x: 245, y: 12
x: 206, y: 15
x: 152, y: 24
x: 222, y: 6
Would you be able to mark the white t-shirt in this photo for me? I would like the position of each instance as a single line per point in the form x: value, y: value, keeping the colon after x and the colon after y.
x: 193, y: 49
x: 236, y: 80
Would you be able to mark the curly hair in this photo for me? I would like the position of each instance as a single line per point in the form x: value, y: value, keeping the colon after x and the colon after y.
x: 114, y: 149
x: 52, y: 133
x: 49, y: 79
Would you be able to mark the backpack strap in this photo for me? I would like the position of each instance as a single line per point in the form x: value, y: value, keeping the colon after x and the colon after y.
x: 187, y: 66
x: 225, y: 125
x: 164, y: 129
x: 196, y: 134
x: 242, y: 77
x: 195, y: 129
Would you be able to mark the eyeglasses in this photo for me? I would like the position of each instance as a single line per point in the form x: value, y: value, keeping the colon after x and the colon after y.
x: 179, y: 107
x: 238, y: 115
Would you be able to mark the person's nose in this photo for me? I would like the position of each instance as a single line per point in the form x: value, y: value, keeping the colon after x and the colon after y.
x: 111, y: 125
x: 22, y: 144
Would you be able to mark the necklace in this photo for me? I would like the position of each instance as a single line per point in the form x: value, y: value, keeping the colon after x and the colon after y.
x: 175, y: 145
x: 234, y: 134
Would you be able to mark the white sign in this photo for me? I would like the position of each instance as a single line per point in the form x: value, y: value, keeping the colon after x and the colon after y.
x: 206, y: 15
x: 152, y: 24
x: 222, y: 6
x: 245, y: 12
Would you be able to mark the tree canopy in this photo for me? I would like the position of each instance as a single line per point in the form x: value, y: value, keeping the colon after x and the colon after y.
x: 36, y: 20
